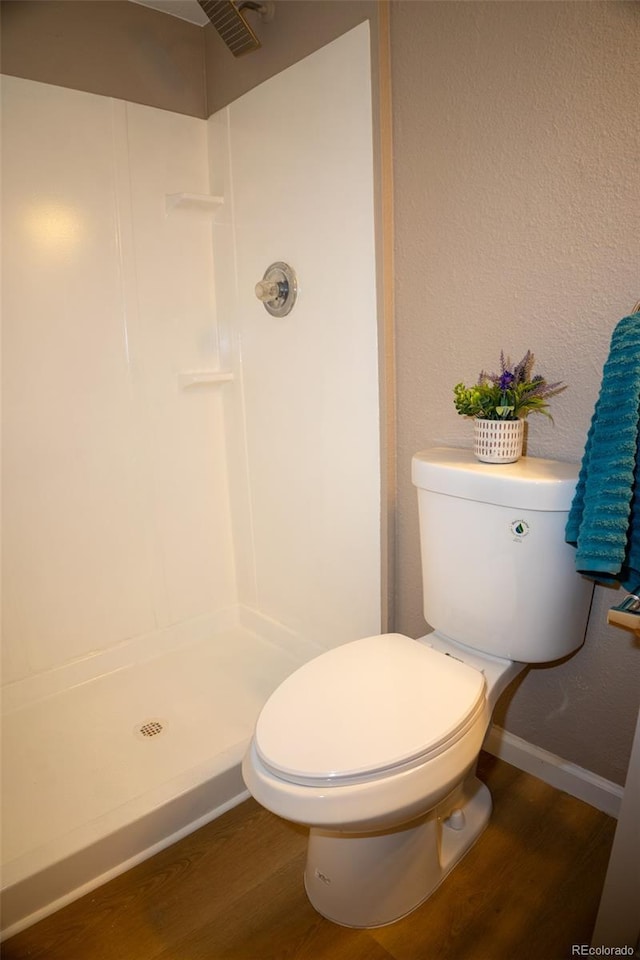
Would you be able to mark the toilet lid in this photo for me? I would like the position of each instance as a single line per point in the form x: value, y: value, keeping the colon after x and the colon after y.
x: 367, y: 707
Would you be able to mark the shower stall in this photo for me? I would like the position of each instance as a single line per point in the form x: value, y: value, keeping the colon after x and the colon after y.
x: 191, y: 485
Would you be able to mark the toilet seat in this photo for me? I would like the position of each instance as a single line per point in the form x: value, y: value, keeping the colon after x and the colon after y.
x: 368, y: 709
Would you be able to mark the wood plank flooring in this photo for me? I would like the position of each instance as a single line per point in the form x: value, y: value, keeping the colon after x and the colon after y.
x: 233, y: 890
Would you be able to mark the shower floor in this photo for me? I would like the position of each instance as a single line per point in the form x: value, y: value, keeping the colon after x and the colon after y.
x: 108, y: 771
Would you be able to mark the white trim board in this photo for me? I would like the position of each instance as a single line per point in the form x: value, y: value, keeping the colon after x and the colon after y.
x: 580, y: 783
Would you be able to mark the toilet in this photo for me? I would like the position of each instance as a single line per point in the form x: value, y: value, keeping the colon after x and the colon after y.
x: 373, y: 744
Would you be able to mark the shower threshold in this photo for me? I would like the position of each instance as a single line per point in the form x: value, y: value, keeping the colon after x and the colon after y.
x: 104, y: 773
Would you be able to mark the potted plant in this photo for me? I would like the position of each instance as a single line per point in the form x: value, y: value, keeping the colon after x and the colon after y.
x: 499, y: 403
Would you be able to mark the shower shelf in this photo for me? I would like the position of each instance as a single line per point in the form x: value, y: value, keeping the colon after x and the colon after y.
x: 196, y: 202
x: 196, y: 378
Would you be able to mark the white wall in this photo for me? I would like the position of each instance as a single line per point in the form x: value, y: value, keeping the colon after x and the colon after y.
x: 115, y: 503
x: 293, y: 158
x: 131, y: 504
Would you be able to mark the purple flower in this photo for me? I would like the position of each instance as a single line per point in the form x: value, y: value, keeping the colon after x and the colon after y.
x: 513, y: 393
x: 505, y: 380
x: 522, y: 370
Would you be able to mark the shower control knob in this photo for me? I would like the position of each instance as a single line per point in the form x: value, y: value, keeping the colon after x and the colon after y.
x: 267, y: 290
x: 278, y: 289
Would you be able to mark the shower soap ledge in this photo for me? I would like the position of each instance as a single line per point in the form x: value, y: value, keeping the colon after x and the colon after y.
x: 197, y: 202
x: 194, y: 378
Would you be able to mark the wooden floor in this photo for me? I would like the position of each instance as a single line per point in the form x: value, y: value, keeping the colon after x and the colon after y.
x: 528, y: 890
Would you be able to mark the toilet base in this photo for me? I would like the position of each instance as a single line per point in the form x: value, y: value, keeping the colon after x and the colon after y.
x: 371, y: 879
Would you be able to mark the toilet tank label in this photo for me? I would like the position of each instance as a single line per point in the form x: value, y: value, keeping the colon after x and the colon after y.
x: 519, y: 529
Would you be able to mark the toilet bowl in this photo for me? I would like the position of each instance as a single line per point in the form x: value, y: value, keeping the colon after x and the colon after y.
x: 386, y: 726
x: 388, y: 731
x: 373, y: 745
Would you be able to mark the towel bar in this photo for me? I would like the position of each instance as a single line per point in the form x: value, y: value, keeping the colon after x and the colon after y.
x: 630, y: 621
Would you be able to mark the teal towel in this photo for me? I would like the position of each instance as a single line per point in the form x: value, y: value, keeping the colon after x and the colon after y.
x: 604, y: 520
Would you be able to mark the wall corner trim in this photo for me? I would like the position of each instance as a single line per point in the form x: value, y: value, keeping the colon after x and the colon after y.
x: 602, y: 794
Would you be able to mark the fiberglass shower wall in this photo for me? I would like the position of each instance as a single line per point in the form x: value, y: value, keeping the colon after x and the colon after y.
x: 136, y: 503
x: 116, y: 516
x: 293, y: 159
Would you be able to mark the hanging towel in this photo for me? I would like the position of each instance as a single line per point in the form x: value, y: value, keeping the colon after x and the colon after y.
x: 604, y: 520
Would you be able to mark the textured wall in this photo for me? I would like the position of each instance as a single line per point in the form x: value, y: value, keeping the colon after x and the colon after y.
x: 109, y: 47
x: 516, y: 192
x: 121, y: 49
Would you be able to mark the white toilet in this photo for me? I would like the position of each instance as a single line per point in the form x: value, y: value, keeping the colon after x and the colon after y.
x: 373, y: 745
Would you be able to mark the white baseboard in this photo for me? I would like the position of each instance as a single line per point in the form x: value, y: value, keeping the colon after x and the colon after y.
x: 580, y: 783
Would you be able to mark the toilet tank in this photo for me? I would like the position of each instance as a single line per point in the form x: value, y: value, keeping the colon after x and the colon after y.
x: 497, y: 574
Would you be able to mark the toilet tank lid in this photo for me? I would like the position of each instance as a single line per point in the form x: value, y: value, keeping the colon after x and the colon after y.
x: 530, y: 484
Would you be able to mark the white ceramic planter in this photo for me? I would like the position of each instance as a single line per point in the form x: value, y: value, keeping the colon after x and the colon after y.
x: 498, y: 441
